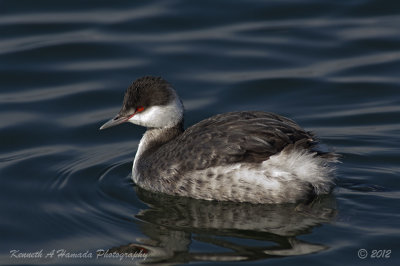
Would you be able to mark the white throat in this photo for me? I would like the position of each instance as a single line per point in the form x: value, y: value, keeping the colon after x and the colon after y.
x: 143, y: 146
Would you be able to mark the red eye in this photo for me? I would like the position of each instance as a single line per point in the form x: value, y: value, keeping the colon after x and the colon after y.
x: 139, y: 109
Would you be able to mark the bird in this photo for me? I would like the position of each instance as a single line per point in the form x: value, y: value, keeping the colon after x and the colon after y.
x: 242, y: 156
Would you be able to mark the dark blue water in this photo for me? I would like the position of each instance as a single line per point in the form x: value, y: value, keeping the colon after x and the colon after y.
x: 333, y: 66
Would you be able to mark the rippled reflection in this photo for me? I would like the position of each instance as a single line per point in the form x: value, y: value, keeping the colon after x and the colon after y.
x: 174, y: 224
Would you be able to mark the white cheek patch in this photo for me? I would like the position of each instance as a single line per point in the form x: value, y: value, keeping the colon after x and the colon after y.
x: 160, y: 116
x: 147, y: 118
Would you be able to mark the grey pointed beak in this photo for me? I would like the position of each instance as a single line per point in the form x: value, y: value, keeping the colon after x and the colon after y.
x: 118, y: 119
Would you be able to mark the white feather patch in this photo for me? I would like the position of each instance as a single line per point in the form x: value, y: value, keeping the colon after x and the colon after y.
x: 160, y: 116
x: 274, y: 178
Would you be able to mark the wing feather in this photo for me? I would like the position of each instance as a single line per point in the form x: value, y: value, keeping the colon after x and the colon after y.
x: 234, y: 137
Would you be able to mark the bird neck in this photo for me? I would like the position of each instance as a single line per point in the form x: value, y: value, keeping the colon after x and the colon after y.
x: 152, y: 140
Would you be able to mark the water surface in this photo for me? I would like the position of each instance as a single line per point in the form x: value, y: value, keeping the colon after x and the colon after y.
x: 330, y: 65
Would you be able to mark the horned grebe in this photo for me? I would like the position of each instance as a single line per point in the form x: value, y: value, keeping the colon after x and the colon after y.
x: 248, y: 156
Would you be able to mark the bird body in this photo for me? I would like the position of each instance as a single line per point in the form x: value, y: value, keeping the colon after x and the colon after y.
x: 248, y: 156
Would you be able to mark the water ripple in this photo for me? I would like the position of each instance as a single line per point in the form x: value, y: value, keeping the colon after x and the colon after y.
x: 331, y: 66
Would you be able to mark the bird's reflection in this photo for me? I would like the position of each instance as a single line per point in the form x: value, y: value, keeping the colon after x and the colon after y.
x: 172, y: 223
